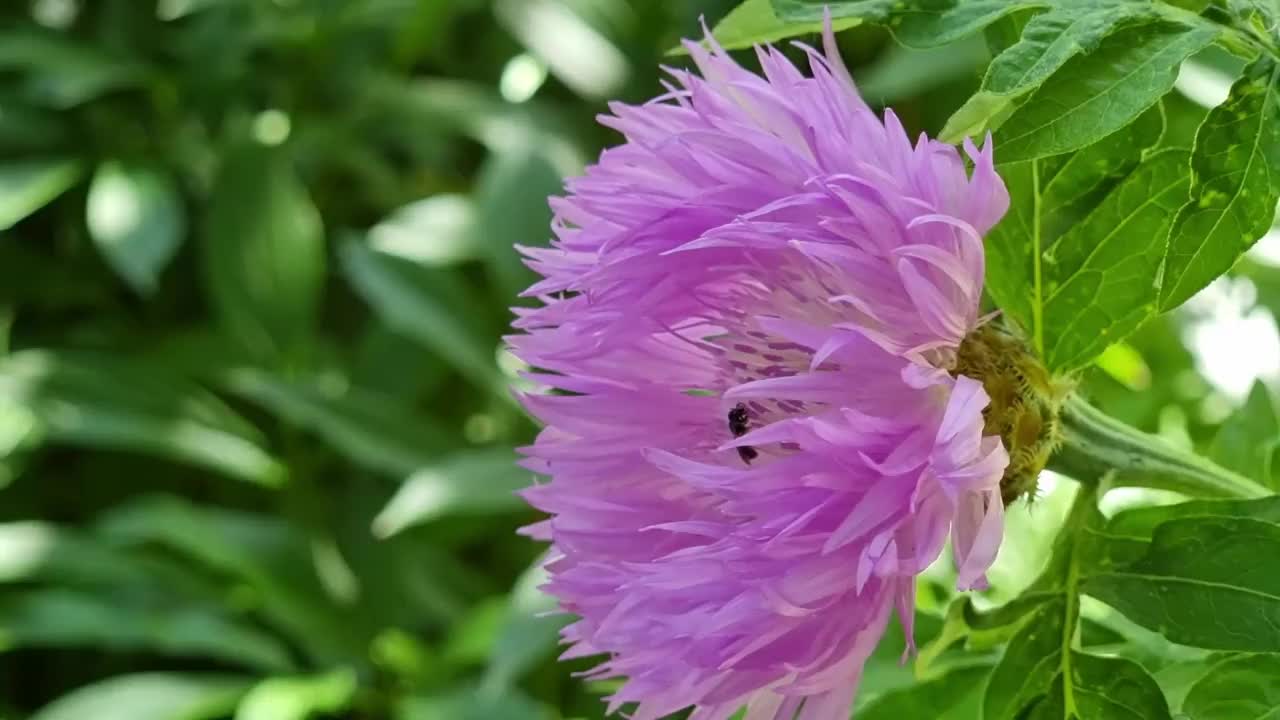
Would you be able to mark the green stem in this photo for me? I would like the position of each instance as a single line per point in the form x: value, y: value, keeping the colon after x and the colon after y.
x: 1095, y: 443
x: 1037, y: 308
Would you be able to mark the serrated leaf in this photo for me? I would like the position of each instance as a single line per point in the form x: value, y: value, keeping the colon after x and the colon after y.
x: 370, y: 430
x: 1074, y: 184
x: 136, y: 218
x: 1247, y: 442
x: 923, y: 26
x: 754, y: 22
x: 149, y: 696
x: 96, y: 401
x: 1103, y: 689
x: 1010, y: 247
x: 264, y: 253
x: 1203, y: 582
x: 1048, y: 41
x: 28, y: 185
x: 914, y: 23
x: 1047, y: 197
x: 1236, y: 165
x: 1240, y: 688
x: 482, y: 481
x: 1094, y: 95
x: 1099, y: 278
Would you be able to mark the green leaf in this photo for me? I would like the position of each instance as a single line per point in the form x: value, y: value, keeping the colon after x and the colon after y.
x: 264, y: 254
x: 1247, y: 442
x: 1236, y: 167
x: 528, y: 635
x: 484, y: 481
x: 1037, y: 656
x: 930, y: 24
x: 1141, y: 523
x: 370, y: 430
x: 953, y: 696
x: 1099, y: 278
x: 1203, y: 582
x: 1076, y: 183
x: 1029, y: 665
x: 915, y: 23
x: 1011, y: 247
x: 754, y: 23
x: 299, y: 698
x: 1094, y: 95
x: 268, y: 558
x: 1240, y: 688
x: 136, y: 218
x: 1048, y: 41
x: 1103, y: 689
x: 149, y: 696
x: 1047, y: 197
x: 901, y: 73
x: 427, y: 305
x: 65, y: 618
x: 468, y: 704
x: 28, y: 185
x: 96, y: 401
x: 511, y: 202
x: 60, y: 72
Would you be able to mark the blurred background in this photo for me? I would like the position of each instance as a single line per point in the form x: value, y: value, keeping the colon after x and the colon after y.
x: 255, y: 423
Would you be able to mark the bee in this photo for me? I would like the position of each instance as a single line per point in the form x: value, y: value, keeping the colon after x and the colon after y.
x: 738, y: 426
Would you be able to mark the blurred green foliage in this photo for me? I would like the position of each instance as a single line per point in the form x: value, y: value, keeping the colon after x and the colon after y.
x: 255, y: 426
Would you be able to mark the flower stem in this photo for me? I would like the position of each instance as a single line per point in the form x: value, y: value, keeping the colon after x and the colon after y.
x: 1094, y: 443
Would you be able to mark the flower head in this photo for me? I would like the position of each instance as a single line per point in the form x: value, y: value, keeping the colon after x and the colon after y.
x: 753, y: 309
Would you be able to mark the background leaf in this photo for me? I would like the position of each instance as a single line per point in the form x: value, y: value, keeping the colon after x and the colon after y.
x: 149, y: 696
x: 136, y: 218
x: 1248, y: 441
x: 26, y: 186
x: 474, y: 482
x: 264, y: 251
x: 95, y: 402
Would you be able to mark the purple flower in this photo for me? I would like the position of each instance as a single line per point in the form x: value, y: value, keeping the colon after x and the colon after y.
x: 753, y: 309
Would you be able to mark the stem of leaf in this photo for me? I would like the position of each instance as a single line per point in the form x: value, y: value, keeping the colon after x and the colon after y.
x: 1037, y: 309
x: 1094, y: 443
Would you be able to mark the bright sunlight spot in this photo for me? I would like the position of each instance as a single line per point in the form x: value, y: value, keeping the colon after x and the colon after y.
x: 579, y: 55
x: 271, y: 127
x: 1233, y: 340
x: 521, y: 78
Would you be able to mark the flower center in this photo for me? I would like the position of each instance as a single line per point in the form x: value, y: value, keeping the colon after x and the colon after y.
x: 1025, y: 403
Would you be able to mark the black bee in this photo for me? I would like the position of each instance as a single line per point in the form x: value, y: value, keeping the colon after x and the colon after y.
x: 738, y: 426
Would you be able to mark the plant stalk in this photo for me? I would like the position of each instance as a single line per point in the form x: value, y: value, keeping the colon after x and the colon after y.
x: 1095, y: 443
